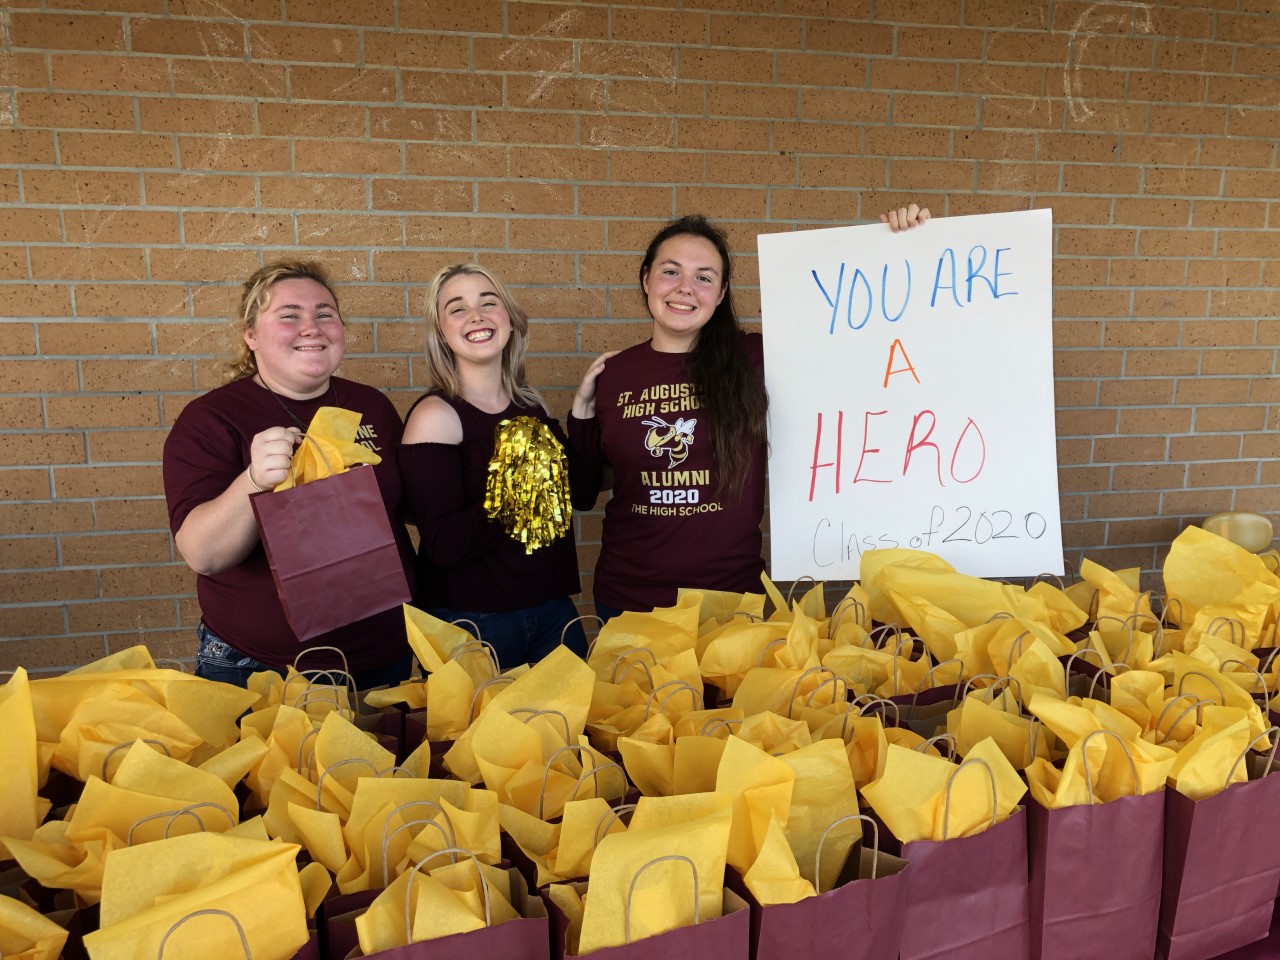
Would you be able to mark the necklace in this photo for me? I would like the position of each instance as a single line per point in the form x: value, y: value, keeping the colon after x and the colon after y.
x: 285, y: 407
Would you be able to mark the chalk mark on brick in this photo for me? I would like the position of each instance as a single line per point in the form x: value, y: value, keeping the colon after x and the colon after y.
x: 1096, y: 16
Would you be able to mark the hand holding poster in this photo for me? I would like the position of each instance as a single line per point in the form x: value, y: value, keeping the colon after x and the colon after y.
x: 910, y: 381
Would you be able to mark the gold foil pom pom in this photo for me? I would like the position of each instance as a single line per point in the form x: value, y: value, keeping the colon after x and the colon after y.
x: 528, y: 486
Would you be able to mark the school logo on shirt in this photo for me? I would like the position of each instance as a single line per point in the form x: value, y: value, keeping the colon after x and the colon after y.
x: 673, y: 439
x: 368, y: 437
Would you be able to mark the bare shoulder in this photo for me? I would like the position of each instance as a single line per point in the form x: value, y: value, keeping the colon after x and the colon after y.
x: 433, y: 421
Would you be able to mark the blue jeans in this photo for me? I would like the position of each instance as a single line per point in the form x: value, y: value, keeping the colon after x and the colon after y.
x: 218, y: 660
x: 606, y: 612
x: 523, y: 636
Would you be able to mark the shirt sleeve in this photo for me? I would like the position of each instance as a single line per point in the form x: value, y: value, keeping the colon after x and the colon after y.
x: 201, y: 459
x: 452, y: 530
x: 586, y: 461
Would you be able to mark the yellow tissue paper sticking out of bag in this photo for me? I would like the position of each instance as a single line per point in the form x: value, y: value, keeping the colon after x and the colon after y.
x: 328, y: 448
x: 148, y: 889
x: 21, y: 810
x: 665, y: 894
x: 1204, y: 569
x: 25, y: 934
x: 911, y: 798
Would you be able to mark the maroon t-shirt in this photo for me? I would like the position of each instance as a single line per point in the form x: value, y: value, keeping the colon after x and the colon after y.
x: 668, y: 525
x: 208, y: 448
x: 483, y: 569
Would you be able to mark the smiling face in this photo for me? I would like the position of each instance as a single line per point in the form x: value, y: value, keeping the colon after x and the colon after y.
x: 297, y: 338
x: 682, y: 289
x: 473, y: 319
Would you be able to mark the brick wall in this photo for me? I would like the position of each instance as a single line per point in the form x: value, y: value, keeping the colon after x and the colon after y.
x: 154, y: 152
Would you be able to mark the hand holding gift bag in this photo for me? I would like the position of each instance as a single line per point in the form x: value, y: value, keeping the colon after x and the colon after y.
x: 332, y: 553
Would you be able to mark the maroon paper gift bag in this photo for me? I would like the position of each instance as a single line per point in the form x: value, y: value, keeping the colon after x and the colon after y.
x: 860, y: 918
x: 524, y: 938
x: 1221, y: 871
x: 1095, y: 876
x: 727, y: 937
x: 333, y: 556
x: 968, y: 897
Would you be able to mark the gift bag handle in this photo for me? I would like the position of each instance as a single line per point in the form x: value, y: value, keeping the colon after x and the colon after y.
x: 885, y: 630
x: 1066, y: 670
x: 578, y: 749
x: 715, y: 723
x: 998, y: 683
x: 822, y: 840
x: 1271, y: 758
x: 1157, y: 635
x: 796, y: 582
x: 1015, y: 648
x: 753, y: 617
x: 532, y: 713
x: 614, y: 812
x: 408, y: 824
x: 478, y: 646
x: 921, y: 688
x: 1124, y: 625
x: 449, y: 838
x: 169, y: 664
x: 302, y: 744
x: 1111, y: 669
x: 480, y: 687
x: 125, y: 746
x: 595, y: 772
x: 206, y: 912
x: 627, y: 672
x: 173, y: 815
x: 1057, y: 580
x: 564, y: 631
x: 1258, y: 674
x: 334, y: 766
x: 321, y: 693
x: 834, y: 681
x: 834, y: 678
x: 1265, y: 666
x: 1196, y: 704
x: 346, y: 666
x: 618, y: 661
x: 946, y: 806
x: 453, y: 852
x: 679, y: 685
x: 1084, y: 756
x: 1222, y: 697
x: 852, y: 603
x: 1217, y: 623
x: 631, y: 891
x: 1033, y: 738
x: 776, y: 642
x: 948, y: 738
x: 880, y: 703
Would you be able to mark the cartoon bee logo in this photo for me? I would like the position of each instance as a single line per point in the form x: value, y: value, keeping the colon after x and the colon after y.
x: 673, y: 439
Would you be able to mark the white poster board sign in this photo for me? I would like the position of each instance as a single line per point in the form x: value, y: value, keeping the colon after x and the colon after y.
x: 910, y: 381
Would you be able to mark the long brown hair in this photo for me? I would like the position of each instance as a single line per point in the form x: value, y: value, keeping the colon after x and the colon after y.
x: 724, y: 381
x: 254, y: 299
x: 440, y: 360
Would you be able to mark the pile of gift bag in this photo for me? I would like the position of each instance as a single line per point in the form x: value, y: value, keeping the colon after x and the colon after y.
x: 931, y: 766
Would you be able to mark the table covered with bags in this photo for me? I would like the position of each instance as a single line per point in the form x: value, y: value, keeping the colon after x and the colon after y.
x: 929, y: 766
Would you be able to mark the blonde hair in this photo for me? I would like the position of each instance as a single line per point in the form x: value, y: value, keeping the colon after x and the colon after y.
x: 440, y: 360
x: 254, y: 299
